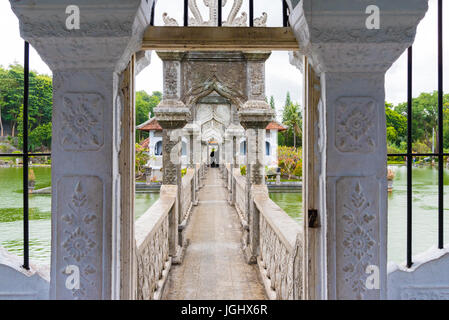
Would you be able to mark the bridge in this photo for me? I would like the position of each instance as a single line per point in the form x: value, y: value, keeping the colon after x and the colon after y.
x: 215, y: 256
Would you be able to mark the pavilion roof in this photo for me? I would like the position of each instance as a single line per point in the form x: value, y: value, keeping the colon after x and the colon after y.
x: 145, y: 143
x: 276, y: 126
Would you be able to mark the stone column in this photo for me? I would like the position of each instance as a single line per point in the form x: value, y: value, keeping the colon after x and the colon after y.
x: 87, y: 112
x: 232, y: 135
x: 255, y: 121
x: 351, y: 59
x: 192, y: 131
x: 172, y: 115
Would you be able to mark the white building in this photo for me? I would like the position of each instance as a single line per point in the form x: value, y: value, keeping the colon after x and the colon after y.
x: 154, y: 145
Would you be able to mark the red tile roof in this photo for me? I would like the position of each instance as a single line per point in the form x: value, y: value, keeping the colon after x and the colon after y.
x: 146, y: 143
x: 276, y: 126
x: 150, y: 125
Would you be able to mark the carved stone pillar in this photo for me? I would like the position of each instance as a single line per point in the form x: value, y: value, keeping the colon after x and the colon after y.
x: 232, y: 135
x: 193, y: 132
x: 351, y: 61
x: 172, y: 115
x: 255, y: 121
x: 87, y: 113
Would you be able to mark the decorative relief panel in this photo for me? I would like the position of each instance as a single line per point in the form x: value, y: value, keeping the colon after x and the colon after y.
x: 151, y: 259
x: 357, y: 229
x: 356, y: 125
x: 82, y: 122
x: 257, y: 80
x: 171, y: 79
x: 79, y: 233
x: 283, y: 268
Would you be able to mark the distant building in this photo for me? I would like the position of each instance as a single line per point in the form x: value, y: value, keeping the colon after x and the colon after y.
x: 154, y: 145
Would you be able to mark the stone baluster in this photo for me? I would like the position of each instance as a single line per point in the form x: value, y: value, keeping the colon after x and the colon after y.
x: 351, y: 58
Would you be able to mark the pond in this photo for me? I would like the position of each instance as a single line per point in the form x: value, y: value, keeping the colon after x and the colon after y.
x: 11, y: 214
x: 425, y: 211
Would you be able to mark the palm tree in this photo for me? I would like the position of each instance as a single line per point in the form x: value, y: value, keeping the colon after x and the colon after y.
x: 292, y: 117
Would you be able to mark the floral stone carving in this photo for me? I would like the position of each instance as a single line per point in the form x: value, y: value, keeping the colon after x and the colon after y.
x: 357, y: 227
x: 356, y: 125
x: 82, y: 122
x: 79, y: 228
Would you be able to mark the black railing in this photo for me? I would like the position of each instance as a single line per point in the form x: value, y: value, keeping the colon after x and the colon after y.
x: 285, y: 13
x: 439, y: 155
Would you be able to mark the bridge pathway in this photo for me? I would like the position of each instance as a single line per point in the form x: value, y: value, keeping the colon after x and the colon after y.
x: 214, y: 267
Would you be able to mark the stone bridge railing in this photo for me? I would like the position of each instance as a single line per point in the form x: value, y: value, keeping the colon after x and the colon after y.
x: 160, y: 231
x: 153, y: 248
x: 279, y: 239
x: 187, y: 192
x: 280, y: 251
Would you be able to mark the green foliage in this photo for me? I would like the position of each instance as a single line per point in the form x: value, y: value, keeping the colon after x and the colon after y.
x: 40, y: 137
x: 183, y: 172
x: 396, y: 126
x: 11, y: 98
x: 144, y: 109
x: 272, y: 103
x: 292, y: 118
x: 425, y: 120
x: 243, y: 170
x: 142, y: 158
x: 290, y: 161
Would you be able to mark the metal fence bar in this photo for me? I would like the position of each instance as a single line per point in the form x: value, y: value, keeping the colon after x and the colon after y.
x: 409, y: 157
x: 220, y: 12
x: 186, y: 13
x: 417, y: 154
x: 285, y: 13
x: 152, y: 13
x: 440, y: 129
x: 26, y: 90
x: 20, y: 155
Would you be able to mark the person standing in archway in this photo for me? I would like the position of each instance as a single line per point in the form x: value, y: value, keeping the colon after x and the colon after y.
x: 213, y: 160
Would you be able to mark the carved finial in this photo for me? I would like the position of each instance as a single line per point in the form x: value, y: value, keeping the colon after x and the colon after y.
x: 261, y: 21
x: 169, y: 22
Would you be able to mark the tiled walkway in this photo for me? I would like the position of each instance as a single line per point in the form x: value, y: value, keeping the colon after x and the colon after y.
x: 214, y: 267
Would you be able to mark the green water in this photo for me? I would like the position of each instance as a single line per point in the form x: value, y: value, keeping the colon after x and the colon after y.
x: 11, y: 212
x: 425, y: 210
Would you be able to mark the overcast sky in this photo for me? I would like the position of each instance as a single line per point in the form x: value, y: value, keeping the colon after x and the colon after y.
x: 280, y: 75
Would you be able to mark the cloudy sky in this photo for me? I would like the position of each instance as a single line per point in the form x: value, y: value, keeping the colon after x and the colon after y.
x: 280, y: 75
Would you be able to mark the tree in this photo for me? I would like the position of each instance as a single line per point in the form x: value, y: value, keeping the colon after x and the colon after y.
x: 425, y: 118
x: 11, y: 98
x: 292, y: 118
x: 40, y: 137
x: 396, y: 126
x: 144, y: 108
x: 272, y: 103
